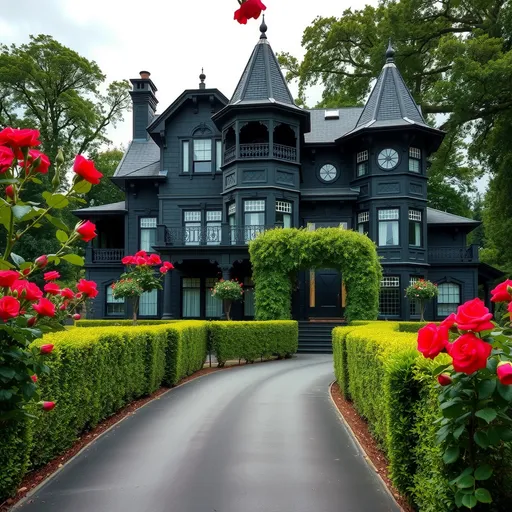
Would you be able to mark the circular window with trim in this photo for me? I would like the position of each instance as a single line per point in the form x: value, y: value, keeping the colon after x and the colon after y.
x: 388, y: 159
x: 328, y: 173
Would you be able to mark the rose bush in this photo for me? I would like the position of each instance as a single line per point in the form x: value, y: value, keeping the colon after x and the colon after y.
x: 248, y: 9
x: 140, y: 278
x: 26, y: 310
x: 475, y: 393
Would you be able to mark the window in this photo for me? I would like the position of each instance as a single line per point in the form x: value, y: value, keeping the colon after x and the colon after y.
x: 218, y: 155
x: 249, y: 310
x: 191, y: 297
x: 192, y: 227
x: 388, y: 227
x: 147, y: 233
x: 148, y: 305
x: 213, y: 227
x: 284, y: 213
x: 213, y: 306
x: 202, y: 155
x: 415, y: 160
x: 115, y: 307
x: 185, y: 151
x: 363, y: 222
x: 232, y: 222
x: 254, y: 218
x: 362, y: 163
x: 389, y: 297
x: 415, y: 228
x: 448, y: 299
x: 414, y: 309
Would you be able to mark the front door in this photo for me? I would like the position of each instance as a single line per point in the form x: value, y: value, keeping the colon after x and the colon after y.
x: 327, y: 294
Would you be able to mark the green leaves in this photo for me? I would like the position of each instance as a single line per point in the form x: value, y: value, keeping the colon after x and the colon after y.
x: 486, y: 388
x: 74, y: 259
x: 18, y: 260
x: 481, y: 439
x: 451, y: 454
x: 483, y: 472
x: 20, y: 211
x: 486, y: 414
x: 61, y: 236
x: 483, y: 495
x: 504, y: 391
x: 82, y: 187
x: 469, y: 501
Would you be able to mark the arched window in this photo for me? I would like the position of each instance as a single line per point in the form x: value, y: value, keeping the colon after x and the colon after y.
x: 115, y: 306
x: 448, y: 299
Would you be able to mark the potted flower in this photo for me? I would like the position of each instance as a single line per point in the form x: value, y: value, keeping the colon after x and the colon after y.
x: 229, y: 292
x: 422, y: 291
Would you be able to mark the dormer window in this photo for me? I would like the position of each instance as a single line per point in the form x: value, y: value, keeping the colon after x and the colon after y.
x: 362, y: 163
x: 415, y: 160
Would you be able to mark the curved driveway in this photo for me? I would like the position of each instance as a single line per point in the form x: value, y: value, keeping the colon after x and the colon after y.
x: 263, y: 438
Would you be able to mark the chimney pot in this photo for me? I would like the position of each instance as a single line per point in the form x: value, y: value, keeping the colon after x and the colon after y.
x: 145, y: 75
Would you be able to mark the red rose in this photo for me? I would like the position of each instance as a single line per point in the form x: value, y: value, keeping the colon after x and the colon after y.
x: 8, y: 278
x: 168, y: 265
x: 501, y: 293
x: 469, y: 353
x: 87, y: 288
x: 154, y: 259
x: 52, y: 288
x: 86, y: 169
x: 128, y: 260
x: 76, y: 316
x: 48, y: 406
x: 42, y: 261
x: 432, y: 340
x: 44, y: 307
x: 46, y: 349
x: 444, y: 379
x: 52, y: 275
x: 17, y: 139
x: 249, y: 9
x: 32, y: 321
x: 26, y: 290
x: 504, y: 373
x: 6, y: 159
x: 67, y: 293
x: 38, y: 161
x: 9, y: 190
x: 9, y: 308
x: 473, y: 316
x: 449, y: 321
x: 140, y: 260
x: 34, y: 378
x: 87, y: 231
x: 140, y: 254
x: 163, y: 270
x: 63, y: 306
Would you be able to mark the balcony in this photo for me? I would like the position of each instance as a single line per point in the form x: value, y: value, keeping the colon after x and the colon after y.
x: 453, y: 254
x: 211, y: 236
x: 257, y: 151
x: 107, y: 255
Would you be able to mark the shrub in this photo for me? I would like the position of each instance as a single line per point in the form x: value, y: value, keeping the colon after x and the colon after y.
x: 112, y: 322
x: 251, y: 340
x: 278, y: 254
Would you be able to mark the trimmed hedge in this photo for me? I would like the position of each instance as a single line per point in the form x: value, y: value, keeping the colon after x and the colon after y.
x: 378, y: 366
x: 251, y: 340
x: 94, y: 373
x: 121, y: 322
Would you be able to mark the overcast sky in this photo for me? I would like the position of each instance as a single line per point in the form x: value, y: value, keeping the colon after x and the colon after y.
x: 172, y: 39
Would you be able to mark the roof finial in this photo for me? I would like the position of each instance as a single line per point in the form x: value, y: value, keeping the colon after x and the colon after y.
x: 390, y: 52
x: 263, y: 28
x: 202, y: 77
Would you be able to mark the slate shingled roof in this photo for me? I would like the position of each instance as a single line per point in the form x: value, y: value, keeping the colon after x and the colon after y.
x: 439, y: 217
x: 119, y: 207
x: 142, y: 158
x: 262, y: 80
x: 328, y: 130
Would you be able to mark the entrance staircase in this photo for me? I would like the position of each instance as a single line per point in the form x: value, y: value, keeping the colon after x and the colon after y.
x: 315, y: 335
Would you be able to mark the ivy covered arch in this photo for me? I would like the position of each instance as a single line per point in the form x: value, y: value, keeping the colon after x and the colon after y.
x: 277, y: 255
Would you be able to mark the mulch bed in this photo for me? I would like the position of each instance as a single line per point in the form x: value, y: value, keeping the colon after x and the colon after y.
x: 373, y: 452
x: 34, y: 478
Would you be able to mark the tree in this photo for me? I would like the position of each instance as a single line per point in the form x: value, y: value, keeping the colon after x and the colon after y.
x: 106, y: 192
x: 50, y: 87
x: 455, y: 57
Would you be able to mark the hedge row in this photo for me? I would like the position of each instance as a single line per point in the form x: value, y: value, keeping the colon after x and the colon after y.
x: 113, y: 322
x: 379, y: 368
x: 252, y: 340
x: 94, y: 373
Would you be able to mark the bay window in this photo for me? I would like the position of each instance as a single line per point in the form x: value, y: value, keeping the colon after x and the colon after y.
x: 389, y: 227
x: 363, y: 222
x: 284, y: 213
x: 415, y: 228
x: 147, y: 233
x: 254, y: 218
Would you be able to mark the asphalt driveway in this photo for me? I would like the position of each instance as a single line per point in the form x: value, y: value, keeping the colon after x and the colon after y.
x: 263, y: 438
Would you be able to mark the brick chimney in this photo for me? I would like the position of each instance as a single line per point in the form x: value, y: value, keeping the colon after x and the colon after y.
x: 144, y: 104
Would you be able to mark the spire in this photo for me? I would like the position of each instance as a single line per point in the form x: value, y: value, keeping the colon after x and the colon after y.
x: 390, y: 102
x: 202, y: 77
x: 262, y: 80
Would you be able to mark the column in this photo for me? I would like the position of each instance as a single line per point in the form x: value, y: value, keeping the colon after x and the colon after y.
x: 167, y: 308
x: 226, y: 272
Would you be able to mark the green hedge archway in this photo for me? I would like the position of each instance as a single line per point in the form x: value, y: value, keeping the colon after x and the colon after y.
x: 277, y: 255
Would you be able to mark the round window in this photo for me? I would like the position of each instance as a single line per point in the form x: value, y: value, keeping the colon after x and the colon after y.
x: 388, y: 159
x: 328, y: 173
